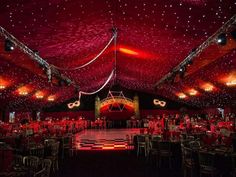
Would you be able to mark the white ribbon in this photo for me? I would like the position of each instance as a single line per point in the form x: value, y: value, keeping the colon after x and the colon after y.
x: 86, y: 64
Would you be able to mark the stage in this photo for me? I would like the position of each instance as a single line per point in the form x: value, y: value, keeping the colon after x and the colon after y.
x: 104, y: 139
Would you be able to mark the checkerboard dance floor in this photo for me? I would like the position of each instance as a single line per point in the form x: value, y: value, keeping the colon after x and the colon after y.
x: 108, y: 139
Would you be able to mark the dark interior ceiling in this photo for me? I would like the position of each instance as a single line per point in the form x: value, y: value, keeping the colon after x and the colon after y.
x: 157, y: 35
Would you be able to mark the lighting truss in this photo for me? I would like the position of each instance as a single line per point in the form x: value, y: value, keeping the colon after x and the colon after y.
x: 199, y: 50
x: 50, y: 69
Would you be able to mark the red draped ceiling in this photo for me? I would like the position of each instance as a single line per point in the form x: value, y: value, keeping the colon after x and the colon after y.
x: 153, y: 37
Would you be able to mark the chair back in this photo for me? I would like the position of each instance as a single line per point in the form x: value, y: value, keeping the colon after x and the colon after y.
x: 154, y: 145
x: 164, y: 146
x: 55, y: 149
x: 40, y: 173
x: 48, y: 142
x: 31, y: 162
x: 66, y: 141
x: 233, y: 156
x: 187, y: 153
x: 37, y: 151
x: 194, y: 144
x: 156, y: 138
x: 46, y: 164
x: 141, y: 139
x: 206, y: 159
x: 18, y: 160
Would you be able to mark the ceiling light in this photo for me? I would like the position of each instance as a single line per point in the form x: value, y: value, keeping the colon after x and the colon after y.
x: 182, y: 71
x: 2, y: 87
x: 51, y: 98
x: 182, y: 96
x: 23, y: 93
x: 193, y: 92
x: 222, y: 39
x: 9, y: 46
x: 128, y: 51
x: 39, y: 95
x: 231, y: 83
x: 208, y: 87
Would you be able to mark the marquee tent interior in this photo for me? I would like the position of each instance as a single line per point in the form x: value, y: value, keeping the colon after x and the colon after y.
x: 63, y: 58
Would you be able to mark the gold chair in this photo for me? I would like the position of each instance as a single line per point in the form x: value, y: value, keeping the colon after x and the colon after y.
x: 188, y: 161
x: 154, y: 150
x: 207, y: 163
x: 54, y: 155
x: 46, y: 165
x: 142, y: 143
x: 66, y: 145
x: 165, y: 152
x: 130, y: 142
x: 40, y: 173
x: 31, y: 162
x: 233, y: 173
x: 18, y: 160
x: 37, y: 151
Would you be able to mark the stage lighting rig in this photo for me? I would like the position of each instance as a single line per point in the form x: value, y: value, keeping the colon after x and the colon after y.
x: 222, y: 39
x: 9, y: 46
x: 233, y: 34
x: 50, y: 70
x: 219, y: 35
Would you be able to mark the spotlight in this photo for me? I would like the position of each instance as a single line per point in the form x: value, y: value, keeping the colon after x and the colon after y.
x: 9, y: 46
x: 233, y: 34
x: 190, y: 62
x: 222, y: 39
x: 36, y: 52
x: 182, y: 72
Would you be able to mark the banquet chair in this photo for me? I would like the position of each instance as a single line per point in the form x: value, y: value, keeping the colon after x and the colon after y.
x: 46, y: 165
x: 54, y: 156
x: 207, y: 163
x: 165, y: 152
x: 194, y: 144
x: 37, y: 151
x: 40, y: 173
x: 142, y: 142
x: 188, y: 160
x: 31, y: 162
x: 154, y: 150
x: 233, y: 172
x: 48, y: 142
x: 73, y: 149
x: 18, y: 160
x: 130, y: 141
x: 66, y: 145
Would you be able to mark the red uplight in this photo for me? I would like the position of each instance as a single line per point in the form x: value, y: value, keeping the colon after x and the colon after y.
x: 128, y: 51
x: 24, y: 90
x: 3, y: 83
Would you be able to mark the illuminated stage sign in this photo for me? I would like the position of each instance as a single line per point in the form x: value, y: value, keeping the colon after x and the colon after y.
x: 116, y: 101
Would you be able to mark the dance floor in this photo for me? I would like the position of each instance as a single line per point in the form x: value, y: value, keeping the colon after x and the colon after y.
x: 105, y: 139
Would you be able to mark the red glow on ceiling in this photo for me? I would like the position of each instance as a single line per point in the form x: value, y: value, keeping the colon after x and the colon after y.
x: 193, y: 92
x: 208, y: 87
x: 51, y: 98
x: 3, y: 83
x: 39, y: 95
x: 181, y: 95
x: 136, y: 52
x: 128, y: 51
x: 24, y: 90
